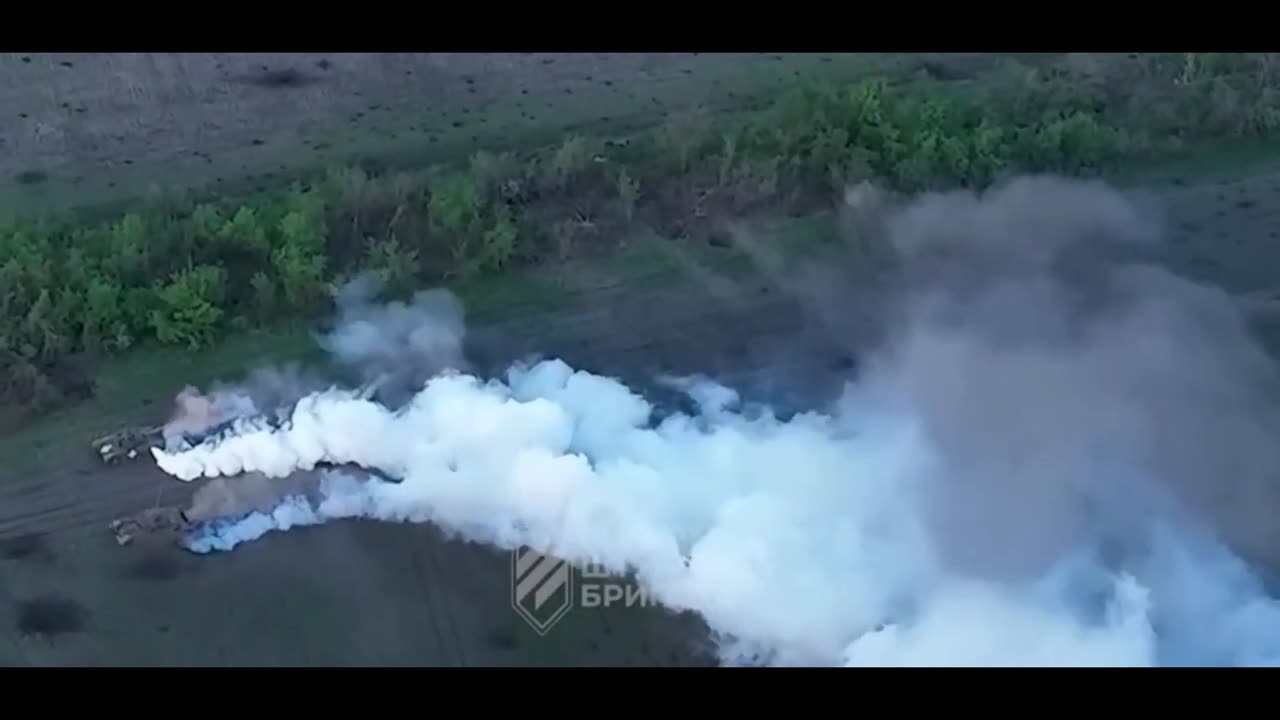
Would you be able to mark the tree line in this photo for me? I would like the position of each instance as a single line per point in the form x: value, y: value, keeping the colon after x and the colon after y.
x: 185, y: 273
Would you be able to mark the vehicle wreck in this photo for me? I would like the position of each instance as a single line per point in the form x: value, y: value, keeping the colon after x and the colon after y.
x: 164, y: 523
x: 128, y: 443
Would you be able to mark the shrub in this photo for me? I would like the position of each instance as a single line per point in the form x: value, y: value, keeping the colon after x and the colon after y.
x: 570, y: 162
x: 395, y: 265
x: 499, y: 242
x: 128, y: 256
x: 244, y: 229
x: 190, y: 309
x: 265, y: 302
x: 683, y: 138
x: 628, y: 192
x: 105, y: 324
x: 456, y: 204
x: 494, y: 171
x: 300, y: 275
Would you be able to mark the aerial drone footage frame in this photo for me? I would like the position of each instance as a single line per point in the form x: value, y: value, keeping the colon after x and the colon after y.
x: 815, y: 421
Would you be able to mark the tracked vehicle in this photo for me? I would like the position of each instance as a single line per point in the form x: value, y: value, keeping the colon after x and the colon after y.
x: 164, y: 522
x: 128, y: 443
x: 137, y: 441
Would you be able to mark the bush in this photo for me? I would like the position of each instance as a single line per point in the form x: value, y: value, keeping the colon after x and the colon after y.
x: 299, y: 258
x: 395, y: 265
x: 266, y: 301
x: 190, y: 307
x: 495, y: 173
x: 105, y: 325
x: 456, y: 204
x: 628, y: 193
x: 569, y: 163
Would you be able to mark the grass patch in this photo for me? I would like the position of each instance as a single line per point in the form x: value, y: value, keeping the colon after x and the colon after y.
x: 1206, y: 162
x: 512, y: 294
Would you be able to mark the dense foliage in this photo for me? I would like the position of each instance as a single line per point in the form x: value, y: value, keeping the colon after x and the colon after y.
x: 183, y: 275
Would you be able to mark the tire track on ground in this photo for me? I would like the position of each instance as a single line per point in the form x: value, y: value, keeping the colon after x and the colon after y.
x: 73, y: 500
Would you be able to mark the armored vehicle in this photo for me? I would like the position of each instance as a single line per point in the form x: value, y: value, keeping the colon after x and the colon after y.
x: 166, y: 522
x: 128, y: 443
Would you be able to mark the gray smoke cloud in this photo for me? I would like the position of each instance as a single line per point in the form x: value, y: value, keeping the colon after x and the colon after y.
x: 1056, y: 452
x: 396, y: 345
x: 1050, y: 361
x: 249, y: 493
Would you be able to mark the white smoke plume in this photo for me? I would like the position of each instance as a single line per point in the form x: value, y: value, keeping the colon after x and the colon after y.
x: 393, y: 347
x: 195, y: 413
x: 396, y: 345
x: 1046, y: 464
x: 265, y: 392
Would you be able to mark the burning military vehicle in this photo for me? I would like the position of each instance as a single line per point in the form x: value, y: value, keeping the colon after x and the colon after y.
x: 201, y: 418
x: 128, y: 443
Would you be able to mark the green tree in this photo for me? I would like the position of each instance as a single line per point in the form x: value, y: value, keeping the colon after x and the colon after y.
x: 190, y: 311
x: 395, y: 265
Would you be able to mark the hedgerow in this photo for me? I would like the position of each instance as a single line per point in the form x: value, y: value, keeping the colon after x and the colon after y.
x: 185, y: 274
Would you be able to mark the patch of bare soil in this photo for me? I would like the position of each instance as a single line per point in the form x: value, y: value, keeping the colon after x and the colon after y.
x: 152, y: 563
x: 27, y: 547
x: 50, y: 616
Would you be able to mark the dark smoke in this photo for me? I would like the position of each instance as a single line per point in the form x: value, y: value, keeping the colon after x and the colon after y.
x: 1074, y: 386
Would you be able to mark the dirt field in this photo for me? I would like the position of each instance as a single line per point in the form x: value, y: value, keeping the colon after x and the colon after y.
x: 84, y: 129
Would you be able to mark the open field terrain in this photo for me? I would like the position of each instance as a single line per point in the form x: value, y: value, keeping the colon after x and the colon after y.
x: 124, y: 125
x: 365, y: 593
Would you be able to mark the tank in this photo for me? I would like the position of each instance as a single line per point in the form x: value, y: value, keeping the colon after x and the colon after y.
x: 128, y: 443
x: 163, y: 522
x: 133, y: 442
